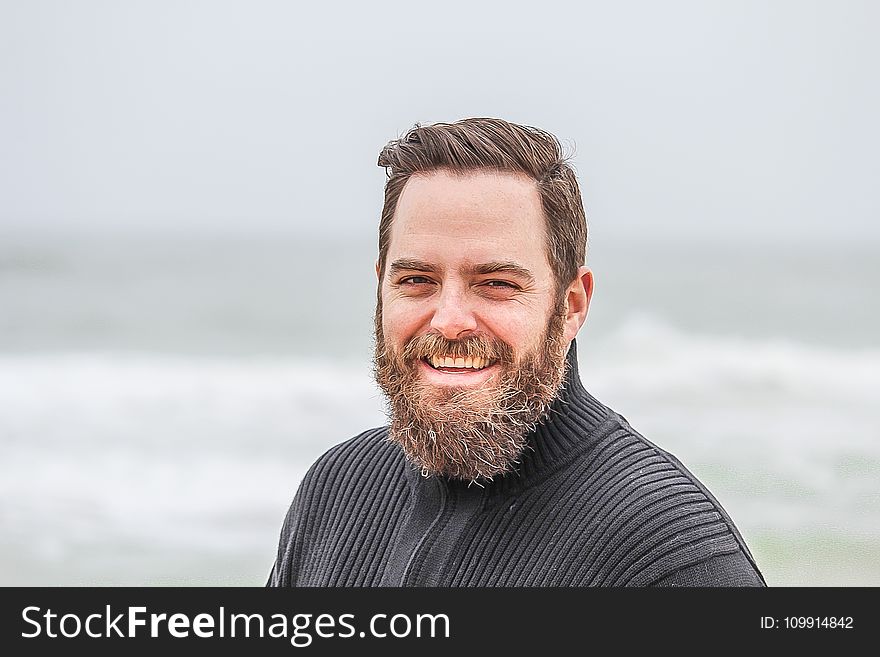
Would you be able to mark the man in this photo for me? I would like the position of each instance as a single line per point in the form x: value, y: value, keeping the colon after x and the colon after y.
x: 498, y: 467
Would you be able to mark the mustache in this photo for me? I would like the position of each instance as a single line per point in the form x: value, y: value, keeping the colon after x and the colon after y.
x: 475, y: 346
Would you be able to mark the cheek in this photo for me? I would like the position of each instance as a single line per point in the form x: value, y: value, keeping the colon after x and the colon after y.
x: 398, y: 322
x: 521, y: 332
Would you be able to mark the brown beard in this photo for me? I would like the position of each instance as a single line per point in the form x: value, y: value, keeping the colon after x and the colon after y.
x: 472, y: 434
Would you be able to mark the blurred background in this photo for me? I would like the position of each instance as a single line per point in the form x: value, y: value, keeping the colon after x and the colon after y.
x: 188, y: 203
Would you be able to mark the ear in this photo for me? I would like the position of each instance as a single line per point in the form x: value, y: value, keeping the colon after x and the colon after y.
x: 378, y: 275
x: 577, y: 303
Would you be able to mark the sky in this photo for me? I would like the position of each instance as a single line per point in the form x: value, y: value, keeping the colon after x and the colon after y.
x: 752, y: 121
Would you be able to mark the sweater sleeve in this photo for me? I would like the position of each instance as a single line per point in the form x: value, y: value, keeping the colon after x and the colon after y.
x: 281, y: 574
x: 297, y: 520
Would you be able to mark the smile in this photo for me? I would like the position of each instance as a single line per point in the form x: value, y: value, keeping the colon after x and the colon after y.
x: 458, y: 373
x: 450, y: 363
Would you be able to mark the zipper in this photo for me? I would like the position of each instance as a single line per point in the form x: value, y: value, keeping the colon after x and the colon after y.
x: 459, y: 507
x: 422, y: 545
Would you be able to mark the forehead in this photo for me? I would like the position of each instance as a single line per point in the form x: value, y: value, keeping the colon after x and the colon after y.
x: 476, y: 216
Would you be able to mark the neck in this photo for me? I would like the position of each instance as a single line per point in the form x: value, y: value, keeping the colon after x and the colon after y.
x: 572, y: 417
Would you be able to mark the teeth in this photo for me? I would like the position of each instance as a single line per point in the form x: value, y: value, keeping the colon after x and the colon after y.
x: 475, y: 363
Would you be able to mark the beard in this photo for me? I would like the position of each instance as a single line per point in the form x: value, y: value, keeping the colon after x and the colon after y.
x: 469, y: 433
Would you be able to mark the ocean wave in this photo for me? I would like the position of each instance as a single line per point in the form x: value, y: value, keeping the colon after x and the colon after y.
x: 107, y: 397
x: 190, y: 455
x: 647, y: 355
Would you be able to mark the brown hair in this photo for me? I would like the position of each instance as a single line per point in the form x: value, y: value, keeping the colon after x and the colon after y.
x: 495, y: 144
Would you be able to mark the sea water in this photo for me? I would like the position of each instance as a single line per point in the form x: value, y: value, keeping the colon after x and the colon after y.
x: 161, y: 397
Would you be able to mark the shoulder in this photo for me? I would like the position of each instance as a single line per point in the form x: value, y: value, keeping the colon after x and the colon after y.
x: 329, y: 491
x: 658, y: 516
x: 342, y: 475
x: 366, y: 454
x: 649, y: 467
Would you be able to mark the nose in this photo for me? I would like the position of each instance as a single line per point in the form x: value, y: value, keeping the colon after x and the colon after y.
x: 453, y: 316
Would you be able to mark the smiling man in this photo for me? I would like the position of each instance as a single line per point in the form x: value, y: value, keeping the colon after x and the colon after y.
x: 498, y: 468
x: 471, y: 329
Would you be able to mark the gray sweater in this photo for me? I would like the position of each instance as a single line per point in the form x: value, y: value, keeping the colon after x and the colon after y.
x: 592, y: 503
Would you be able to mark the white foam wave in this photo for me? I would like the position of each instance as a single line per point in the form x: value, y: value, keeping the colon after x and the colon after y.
x: 159, y: 400
x: 650, y: 356
x: 182, y: 455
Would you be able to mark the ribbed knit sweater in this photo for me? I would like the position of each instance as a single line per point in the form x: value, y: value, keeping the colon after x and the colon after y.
x: 591, y: 503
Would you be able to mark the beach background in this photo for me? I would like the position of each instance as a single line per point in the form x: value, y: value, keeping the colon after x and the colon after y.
x: 188, y: 204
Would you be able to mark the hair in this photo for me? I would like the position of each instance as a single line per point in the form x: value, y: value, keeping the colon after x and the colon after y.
x: 496, y: 145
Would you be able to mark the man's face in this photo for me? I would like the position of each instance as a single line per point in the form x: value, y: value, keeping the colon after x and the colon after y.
x: 470, y: 344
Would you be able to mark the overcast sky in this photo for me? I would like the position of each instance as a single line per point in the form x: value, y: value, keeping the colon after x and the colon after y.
x: 705, y: 120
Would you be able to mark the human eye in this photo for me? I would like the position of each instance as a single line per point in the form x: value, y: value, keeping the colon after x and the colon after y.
x: 498, y: 289
x: 414, y: 285
x: 414, y: 280
x: 500, y: 285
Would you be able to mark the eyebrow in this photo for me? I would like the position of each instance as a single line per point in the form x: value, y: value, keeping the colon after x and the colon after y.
x: 410, y: 264
x: 482, y: 269
x: 506, y: 267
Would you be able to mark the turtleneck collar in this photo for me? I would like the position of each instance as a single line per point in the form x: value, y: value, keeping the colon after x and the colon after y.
x: 572, y: 418
x: 570, y: 423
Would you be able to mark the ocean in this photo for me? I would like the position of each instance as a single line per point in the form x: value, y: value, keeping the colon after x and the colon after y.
x: 162, y: 396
